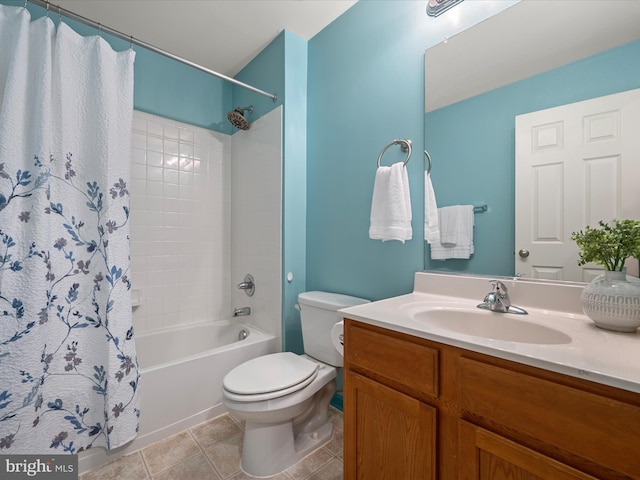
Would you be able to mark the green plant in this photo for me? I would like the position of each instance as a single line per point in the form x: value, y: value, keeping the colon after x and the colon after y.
x: 609, y: 245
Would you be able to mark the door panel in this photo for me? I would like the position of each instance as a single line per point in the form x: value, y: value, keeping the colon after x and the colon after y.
x: 388, y: 435
x: 575, y: 165
x: 487, y: 456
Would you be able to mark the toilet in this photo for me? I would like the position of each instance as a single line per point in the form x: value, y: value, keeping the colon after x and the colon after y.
x: 284, y: 397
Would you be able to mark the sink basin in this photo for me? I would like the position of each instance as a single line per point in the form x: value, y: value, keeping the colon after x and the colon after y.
x: 497, y: 326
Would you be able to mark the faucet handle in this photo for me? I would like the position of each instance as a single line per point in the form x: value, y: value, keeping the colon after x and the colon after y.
x: 498, y: 300
x: 498, y: 286
x: 248, y: 285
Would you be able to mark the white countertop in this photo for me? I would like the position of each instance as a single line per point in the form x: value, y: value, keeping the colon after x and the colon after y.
x: 593, y: 354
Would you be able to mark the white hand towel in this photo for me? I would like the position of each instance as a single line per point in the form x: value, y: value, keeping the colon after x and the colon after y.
x: 391, y: 205
x: 449, y: 218
x: 456, y: 233
x: 431, y: 224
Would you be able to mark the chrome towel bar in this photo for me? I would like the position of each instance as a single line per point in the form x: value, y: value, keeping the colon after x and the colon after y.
x: 430, y: 161
x: 405, y: 146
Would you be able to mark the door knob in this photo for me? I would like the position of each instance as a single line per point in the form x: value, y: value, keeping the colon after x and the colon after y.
x: 524, y: 253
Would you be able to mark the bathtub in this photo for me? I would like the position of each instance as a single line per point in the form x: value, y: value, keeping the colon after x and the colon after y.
x: 181, y: 379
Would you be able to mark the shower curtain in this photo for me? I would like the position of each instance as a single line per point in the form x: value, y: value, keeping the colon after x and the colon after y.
x: 68, y: 369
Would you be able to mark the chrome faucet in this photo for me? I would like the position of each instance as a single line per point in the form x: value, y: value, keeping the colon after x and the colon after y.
x: 241, y: 312
x: 498, y: 300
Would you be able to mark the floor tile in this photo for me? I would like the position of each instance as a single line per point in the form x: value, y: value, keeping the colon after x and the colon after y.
x: 336, y: 444
x: 130, y: 467
x: 169, y: 452
x: 309, y: 464
x: 226, y: 456
x: 213, y: 432
x: 331, y: 471
x: 195, y: 468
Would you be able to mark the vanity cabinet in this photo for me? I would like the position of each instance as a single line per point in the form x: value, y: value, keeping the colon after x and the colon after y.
x: 392, y: 431
x: 418, y: 409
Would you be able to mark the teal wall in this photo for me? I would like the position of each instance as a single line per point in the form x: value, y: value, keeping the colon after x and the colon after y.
x: 366, y: 88
x: 173, y: 90
x: 266, y: 72
x: 472, y: 144
x: 282, y: 68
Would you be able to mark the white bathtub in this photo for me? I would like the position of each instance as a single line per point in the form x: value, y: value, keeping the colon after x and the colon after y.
x: 181, y: 379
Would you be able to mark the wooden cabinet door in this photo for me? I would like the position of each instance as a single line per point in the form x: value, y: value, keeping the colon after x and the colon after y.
x: 388, y: 435
x: 486, y: 456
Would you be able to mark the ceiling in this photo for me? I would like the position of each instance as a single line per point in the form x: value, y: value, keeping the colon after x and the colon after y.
x: 221, y: 35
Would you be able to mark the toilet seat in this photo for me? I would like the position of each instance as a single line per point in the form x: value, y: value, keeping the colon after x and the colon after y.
x: 269, y: 376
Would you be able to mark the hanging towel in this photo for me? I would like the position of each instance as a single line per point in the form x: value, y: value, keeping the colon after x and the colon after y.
x: 456, y: 233
x: 391, y: 205
x: 431, y: 224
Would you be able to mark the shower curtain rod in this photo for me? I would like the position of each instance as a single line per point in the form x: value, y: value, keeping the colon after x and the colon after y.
x: 134, y: 41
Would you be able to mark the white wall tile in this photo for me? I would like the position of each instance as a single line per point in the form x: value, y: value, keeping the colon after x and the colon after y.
x: 140, y: 124
x: 201, y: 221
x: 172, y: 260
x: 154, y: 143
x: 138, y: 140
x: 171, y: 132
x: 154, y: 159
x: 154, y: 128
x: 138, y: 155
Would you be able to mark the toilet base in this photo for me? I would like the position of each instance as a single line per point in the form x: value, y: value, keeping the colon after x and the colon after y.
x: 271, y: 449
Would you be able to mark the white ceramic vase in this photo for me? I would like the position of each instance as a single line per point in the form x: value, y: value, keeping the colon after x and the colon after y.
x: 613, y: 302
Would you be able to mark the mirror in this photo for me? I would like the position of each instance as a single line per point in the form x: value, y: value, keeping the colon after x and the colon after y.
x: 534, y: 55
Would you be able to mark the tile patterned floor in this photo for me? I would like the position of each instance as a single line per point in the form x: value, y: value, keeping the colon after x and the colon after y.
x: 211, y: 451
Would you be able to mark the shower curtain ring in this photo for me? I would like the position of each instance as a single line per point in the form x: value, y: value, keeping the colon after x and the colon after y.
x: 25, y: 3
x: 48, y: 4
x: 131, y: 42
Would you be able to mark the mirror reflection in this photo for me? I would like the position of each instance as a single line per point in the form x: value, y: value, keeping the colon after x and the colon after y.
x: 534, y: 56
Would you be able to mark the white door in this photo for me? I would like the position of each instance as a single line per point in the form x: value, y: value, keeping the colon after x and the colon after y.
x: 575, y: 165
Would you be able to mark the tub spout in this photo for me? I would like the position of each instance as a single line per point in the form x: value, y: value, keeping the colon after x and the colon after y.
x: 241, y: 312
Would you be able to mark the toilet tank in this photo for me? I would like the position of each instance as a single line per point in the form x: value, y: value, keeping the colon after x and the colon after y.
x: 318, y: 315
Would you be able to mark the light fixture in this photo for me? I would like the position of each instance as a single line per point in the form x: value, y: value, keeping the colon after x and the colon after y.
x: 438, y: 7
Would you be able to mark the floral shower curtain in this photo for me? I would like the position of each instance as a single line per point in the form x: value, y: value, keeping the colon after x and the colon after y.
x: 68, y: 369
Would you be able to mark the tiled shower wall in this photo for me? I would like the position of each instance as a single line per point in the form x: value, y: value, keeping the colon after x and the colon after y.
x: 180, y: 223
x: 205, y: 211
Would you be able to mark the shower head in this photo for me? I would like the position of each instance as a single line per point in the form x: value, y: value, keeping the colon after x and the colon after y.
x: 237, y: 118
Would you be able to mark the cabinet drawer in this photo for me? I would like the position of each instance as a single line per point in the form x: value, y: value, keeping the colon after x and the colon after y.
x: 600, y: 430
x: 393, y: 358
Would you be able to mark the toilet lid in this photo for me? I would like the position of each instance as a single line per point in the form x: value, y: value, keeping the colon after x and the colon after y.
x: 270, y: 373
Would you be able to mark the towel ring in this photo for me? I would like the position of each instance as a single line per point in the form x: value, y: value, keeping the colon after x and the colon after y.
x: 430, y: 162
x: 405, y: 146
